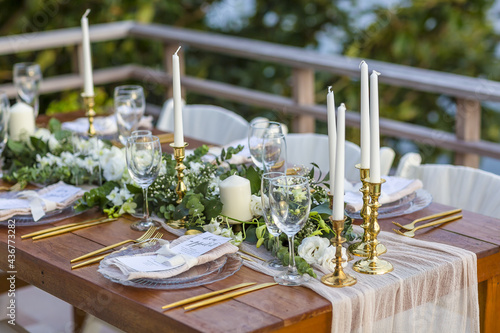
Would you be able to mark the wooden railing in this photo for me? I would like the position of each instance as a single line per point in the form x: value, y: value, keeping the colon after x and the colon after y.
x: 469, y: 92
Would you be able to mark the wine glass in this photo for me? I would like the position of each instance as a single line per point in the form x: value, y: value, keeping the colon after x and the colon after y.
x: 127, y: 118
x: 27, y: 77
x: 256, y: 134
x: 4, y: 121
x: 139, y: 211
x: 136, y: 93
x: 274, y: 152
x: 143, y: 162
x: 272, y: 228
x: 290, y: 205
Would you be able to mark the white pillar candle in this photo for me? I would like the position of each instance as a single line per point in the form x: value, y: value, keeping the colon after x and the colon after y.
x: 374, y: 130
x: 88, y: 88
x: 332, y: 135
x: 235, y: 195
x: 365, y: 118
x: 21, y: 122
x: 176, y: 84
x: 338, y: 193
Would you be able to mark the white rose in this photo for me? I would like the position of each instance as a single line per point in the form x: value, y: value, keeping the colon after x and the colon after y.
x: 113, y: 164
x: 327, y: 260
x: 256, y: 206
x: 311, y: 249
x: 43, y: 134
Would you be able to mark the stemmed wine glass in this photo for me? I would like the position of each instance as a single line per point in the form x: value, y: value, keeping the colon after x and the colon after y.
x: 127, y: 118
x: 27, y: 77
x: 272, y: 228
x: 4, y: 120
x: 274, y: 152
x: 290, y: 205
x: 136, y: 93
x: 256, y: 134
x: 143, y: 161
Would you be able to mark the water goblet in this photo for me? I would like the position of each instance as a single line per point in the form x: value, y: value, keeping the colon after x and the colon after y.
x: 272, y: 228
x: 290, y: 205
x: 143, y: 162
x: 27, y: 77
x: 4, y: 121
x: 136, y: 93
x: 256, y: 134
x: 139, y: 210
x: 127, y: 118
x: 274, y: 152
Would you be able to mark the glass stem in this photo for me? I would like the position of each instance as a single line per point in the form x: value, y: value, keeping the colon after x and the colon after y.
x: 276, y: 244
x: 291, y: 262
x: 146, y: 208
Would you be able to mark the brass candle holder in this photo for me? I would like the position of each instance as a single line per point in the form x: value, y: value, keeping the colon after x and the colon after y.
x: 362, y: 248
x: 338, y: 278
x: 88, y: 102
x: 179, y: 154
x: 372, y: 264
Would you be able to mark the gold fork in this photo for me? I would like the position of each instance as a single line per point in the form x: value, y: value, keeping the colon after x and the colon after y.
x: 145, y: 236
x: 411, y: 225
x: 157, y: 236
x: 411, y: 233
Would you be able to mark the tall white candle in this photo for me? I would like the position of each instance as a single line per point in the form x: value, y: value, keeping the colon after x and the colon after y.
x: 88, y: 80
x: 21, y: 122
x: 374, y: 130
x: 365, y: 118
x: 235, y: 195
x: 332, y: 135
x: 338, y: 196
x: 176, y: 77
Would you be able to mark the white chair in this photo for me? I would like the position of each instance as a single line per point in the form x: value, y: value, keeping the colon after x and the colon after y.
x: 458, y: 186
x: 209, y: 123
x: 387, y: 155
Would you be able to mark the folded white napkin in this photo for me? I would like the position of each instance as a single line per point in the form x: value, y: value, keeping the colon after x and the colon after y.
x: 37, y: 203
x: 116, y: 269
x: 393, y: 189
x: 103, y: 125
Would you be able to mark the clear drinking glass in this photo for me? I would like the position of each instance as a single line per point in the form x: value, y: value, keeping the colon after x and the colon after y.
x: 27, y: 77
x: 272, y: 228
x: 256, y: 134
x: 136, y: 93
x: 4, y: 121
x: 290, y: 205
x: 127, y: 118
x: 143, y: 161
x: 274, y: 152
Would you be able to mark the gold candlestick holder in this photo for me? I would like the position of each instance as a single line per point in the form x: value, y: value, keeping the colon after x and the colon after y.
x: 88, y: 102
x: 362, y: 248
x: 338, y: 278
x: 179, y: 154
x: 372, y: 264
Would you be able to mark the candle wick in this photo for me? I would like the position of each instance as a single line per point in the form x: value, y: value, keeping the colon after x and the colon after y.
x: 361, y: 63
x: 375, y: 72
x: 177, y: 50
x: 87, y: 12
x: 329, y: 89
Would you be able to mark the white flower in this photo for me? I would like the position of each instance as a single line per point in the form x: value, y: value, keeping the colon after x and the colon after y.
x: 114, y: 197
x: 163, y: 168
x: 256, y: 206
x: 312, y: 248
x: 43, y: 134
x: 299, y: 194
x: 227, y: 232
x: 125, y: 194
x: 213, y: 227
x: 113, y: 164
x: 195, y: 167
x: 53, y: 143
x: 327, y: 260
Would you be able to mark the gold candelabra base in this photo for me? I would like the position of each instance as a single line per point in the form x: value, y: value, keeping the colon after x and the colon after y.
x: 88, y: 102
x: 179, y: 155
x: 338, y: 278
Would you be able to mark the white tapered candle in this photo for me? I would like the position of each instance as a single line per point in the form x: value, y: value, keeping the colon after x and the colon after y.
x: 332, y: 135
x: 338, y: 196
x: 374, y: 130
x: 88, y: 81
x: 365, y: 118
x: 176, y: 85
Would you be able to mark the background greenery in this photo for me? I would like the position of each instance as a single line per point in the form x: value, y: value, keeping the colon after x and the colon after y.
x: 453, y: 36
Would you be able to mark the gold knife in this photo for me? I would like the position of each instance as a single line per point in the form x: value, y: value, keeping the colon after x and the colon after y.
x: 77, y: 227
x: 36, y: 233
x: 90, y: 261
x: 207, y: 295
x: 226, y: 296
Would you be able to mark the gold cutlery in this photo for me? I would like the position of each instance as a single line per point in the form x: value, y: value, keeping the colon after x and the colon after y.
x: 36, y: 233
x: 145, y: 236
x: 99, y: 258
x: 411, y: 225
x: 411, y: 233
x: 252, y: 255
x: 229, y: 295
x: 207, y: 295
x: 73, y: 228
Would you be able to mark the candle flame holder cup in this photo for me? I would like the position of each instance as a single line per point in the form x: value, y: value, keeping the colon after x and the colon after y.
x: 362, y: 248
x: 372, y: 264
x: 179, y: 155
x: 88, y: 102
x: 338, y: 278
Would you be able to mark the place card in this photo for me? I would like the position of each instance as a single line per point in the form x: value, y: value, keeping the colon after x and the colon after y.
x: 61, y: 193
x: 200, y: 244
x: 146, y: 263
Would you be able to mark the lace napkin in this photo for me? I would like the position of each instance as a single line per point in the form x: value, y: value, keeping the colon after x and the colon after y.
x: 103, y: 125
x: 37, y: 203
x: 393, y: 189
x: 116, y: 269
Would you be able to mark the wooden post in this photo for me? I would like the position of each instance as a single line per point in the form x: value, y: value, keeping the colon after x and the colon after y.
x: 303, y: 94
x: 169, y: 50
x: 468, y: 128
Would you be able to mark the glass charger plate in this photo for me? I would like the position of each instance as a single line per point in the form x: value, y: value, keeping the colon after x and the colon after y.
x: 406, y: 205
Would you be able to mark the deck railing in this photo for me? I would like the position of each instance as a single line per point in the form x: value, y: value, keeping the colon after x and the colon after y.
x: 467, y: 91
